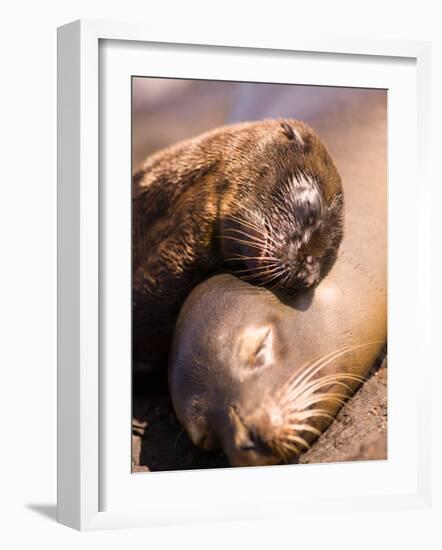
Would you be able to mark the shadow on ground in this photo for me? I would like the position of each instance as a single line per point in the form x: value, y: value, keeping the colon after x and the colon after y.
x: 48, y: 511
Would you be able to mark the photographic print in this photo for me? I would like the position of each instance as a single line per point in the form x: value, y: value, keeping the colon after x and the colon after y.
x: 259, y: 274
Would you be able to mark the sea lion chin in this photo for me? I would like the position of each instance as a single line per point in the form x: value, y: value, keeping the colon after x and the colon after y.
x: 262, y: 200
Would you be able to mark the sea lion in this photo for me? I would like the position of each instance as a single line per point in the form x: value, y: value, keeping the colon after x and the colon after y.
x: 260, y: 374
x: 261, y: 199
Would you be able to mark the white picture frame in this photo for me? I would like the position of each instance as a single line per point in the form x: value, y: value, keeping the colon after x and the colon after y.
x: 84, y: 466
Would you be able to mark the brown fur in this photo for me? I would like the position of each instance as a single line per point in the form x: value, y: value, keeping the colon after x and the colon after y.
x: 183, y: 196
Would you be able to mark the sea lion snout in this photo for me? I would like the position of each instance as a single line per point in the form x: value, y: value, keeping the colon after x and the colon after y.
x: 309, y: 273
x: 246, y: 443
x: 288, y: 240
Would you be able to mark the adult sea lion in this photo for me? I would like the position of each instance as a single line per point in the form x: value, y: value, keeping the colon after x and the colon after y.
x: 262, y: 199
x: 260, y: 374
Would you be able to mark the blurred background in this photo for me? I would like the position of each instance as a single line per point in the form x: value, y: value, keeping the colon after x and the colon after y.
x: 165, y: 111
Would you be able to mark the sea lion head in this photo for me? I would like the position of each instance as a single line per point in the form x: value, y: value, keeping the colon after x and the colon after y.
x: 285, y: 224
x: 237, y: 378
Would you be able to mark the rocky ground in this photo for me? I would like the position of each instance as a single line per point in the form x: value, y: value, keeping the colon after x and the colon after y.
x: 360, y: 429
x: 359, y: 432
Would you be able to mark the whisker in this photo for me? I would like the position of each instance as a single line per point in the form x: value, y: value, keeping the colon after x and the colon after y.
x: 257, y: 268
x: 297, y: 439
x: 252, y: 225
x: 284, y: 280
x: 306, y: 428
x: 292, y: 448
x: 253, y: 213
x: 273, y: 271
x: 311, y: 413
x: 268, y: 280
x: 275, y: 285
x: 241, y: 241
x: 318, y: 365
x: 300, y: 398
x: 262, y: 239
x: 304, y: 372
x: 242, y: 257
x: 309, y: 372
x: 255, y: 238
x: 333, y: 398
x: 324, y: 381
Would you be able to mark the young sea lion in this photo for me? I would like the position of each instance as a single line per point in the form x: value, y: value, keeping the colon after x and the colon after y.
x: 263, y: 200
x: 259, y: 374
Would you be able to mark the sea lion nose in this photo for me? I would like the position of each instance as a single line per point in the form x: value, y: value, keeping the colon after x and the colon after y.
x: 313, y: 274
x: 309, y: 274
x: 292, y: 252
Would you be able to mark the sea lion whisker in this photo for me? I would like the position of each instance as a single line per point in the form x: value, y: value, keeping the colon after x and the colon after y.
x: 319, y: 364
x: 257, y: 268
x: 262, y: 276
x: 326, y: 383
x: 310, y: 413
x: 267, y: 276
x: 290, y: 447
x: 319, y: 383
x: 265, y: 270
x: 275, y: 285
x: 285, y: 453
x: 334, y: 398
x: 251, y: 241
x: 269, y: 279
x: 252, y: 227
x: 309, y: 372
x: 254, y: 238
x: 246, y: 221
x: 330, y: 378
x: 250, y: 211
x: 242, y: 257
x: 297, y: 439
x: 342, y: 352
x: 241, y: 241
x: 310, y: 398
x: 279, y: 283
x: 303, y: 374
x: 255, y: 271
x: 283, y: 281
x: 307, y: 368
x: 305, y: 428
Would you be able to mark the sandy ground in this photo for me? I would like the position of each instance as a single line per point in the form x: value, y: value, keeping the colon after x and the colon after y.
x: 359, y: 432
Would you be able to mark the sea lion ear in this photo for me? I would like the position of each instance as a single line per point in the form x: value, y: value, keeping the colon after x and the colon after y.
x: 292, y: 134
